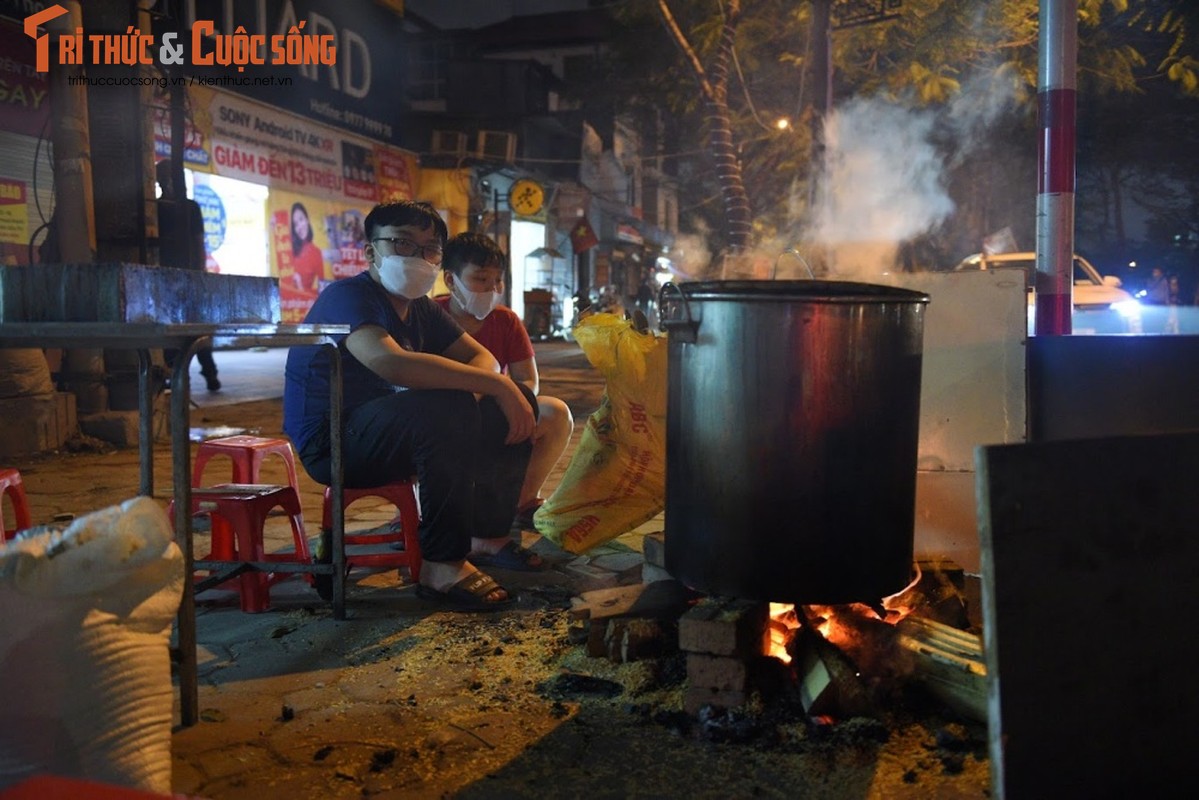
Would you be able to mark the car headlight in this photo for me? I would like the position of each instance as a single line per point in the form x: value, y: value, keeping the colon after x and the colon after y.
x: 1127, y: 308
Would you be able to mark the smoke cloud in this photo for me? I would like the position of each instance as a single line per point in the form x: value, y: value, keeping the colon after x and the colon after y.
x: 883, y: 180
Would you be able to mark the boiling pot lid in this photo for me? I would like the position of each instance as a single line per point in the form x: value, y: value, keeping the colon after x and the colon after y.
x: 808, y: 290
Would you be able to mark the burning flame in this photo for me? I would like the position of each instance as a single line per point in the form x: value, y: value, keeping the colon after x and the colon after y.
x: 783, y: 622
x: 833, y: 622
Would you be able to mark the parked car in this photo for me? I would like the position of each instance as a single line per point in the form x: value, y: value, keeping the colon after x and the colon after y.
x: 1100, y: 304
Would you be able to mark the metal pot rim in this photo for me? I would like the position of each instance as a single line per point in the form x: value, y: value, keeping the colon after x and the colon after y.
x: 816, y: 291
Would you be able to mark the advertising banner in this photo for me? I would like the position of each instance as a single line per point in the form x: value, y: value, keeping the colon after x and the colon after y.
x: 24, y: 92
x: 237, y: 138
x: 14, y: 216
x: 312, y: 242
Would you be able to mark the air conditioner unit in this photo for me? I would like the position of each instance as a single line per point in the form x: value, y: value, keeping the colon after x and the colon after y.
x: 449, y: 143
x: 497, y: 146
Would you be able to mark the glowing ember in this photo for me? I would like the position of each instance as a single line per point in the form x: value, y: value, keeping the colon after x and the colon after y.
x: 835, y: 623
x: 783, y: 623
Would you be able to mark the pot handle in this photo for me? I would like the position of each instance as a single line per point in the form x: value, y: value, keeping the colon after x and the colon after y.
x: 683, y: 330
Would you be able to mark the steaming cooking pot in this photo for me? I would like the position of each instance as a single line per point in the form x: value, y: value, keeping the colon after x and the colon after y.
x: 792, y: 420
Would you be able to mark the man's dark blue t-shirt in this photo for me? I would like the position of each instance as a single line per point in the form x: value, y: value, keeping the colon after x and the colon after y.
x: 355, y: 301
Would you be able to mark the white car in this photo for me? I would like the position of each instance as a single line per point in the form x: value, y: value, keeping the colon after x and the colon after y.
x: 1095, y: 296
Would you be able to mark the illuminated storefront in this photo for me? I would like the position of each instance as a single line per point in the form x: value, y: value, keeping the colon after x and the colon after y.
x: 283, y: 196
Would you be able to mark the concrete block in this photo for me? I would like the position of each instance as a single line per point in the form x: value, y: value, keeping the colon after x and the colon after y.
x: 724, y: 626
x: 116, y: 427
x: 30, y: 425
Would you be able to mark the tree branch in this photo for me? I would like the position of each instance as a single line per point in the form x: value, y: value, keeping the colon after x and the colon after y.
x: 676, y: 33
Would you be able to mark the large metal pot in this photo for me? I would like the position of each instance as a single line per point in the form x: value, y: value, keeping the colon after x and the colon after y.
x: 792, y: 417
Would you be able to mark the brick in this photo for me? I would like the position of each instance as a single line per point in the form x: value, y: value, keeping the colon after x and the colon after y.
x: 634, y: 639
x: 724, y: 627
x: 718, y: 673
x: 597, y: 638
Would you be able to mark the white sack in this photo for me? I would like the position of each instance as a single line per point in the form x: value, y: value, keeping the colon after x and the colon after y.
x: 85, y: 623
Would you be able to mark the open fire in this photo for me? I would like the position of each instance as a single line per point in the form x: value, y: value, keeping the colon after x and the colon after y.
x: 838, y: 660
x: 836, y: 624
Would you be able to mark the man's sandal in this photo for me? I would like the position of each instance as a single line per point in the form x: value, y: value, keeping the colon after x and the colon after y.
x: 511, y: 556
x: 468, y: 594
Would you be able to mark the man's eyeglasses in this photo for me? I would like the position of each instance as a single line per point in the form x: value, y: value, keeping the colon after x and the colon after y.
x: 406, y: 247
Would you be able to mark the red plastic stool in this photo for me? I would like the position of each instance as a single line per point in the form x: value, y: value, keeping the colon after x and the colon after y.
x: 238, y: 515
x: 248, y: 453
x: 402, y: 494
x: 12, y: 488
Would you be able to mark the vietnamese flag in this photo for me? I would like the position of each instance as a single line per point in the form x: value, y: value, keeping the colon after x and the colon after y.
x: 582, y: 236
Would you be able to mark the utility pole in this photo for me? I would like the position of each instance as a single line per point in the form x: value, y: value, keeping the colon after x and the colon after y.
x: 1057, y: 57
x: 74, y: 206
x: 822, y: 106
x: 850, y: 13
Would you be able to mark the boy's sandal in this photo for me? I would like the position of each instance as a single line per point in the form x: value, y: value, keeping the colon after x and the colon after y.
x: 511, y: 556
x: 524, y: 516
x: 468, y: 594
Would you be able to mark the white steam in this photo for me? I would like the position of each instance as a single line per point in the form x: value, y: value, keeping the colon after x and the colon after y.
x: 881, y: 183
x: 883, y: 180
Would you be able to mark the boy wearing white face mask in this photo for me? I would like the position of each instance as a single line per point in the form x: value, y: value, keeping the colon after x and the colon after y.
x: 419, y: 398
x: 473, y: 269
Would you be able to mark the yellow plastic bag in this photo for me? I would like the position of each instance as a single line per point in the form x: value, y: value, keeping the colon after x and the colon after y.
x: 616, y: 479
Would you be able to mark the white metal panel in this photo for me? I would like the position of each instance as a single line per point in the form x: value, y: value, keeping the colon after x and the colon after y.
x: 973, y: 383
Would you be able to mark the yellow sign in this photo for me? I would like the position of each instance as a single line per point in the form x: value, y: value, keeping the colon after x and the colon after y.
x: 526, y: 197
x: 14, y: 213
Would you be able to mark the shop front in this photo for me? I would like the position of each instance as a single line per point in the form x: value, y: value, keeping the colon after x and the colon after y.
x: 283, y: 196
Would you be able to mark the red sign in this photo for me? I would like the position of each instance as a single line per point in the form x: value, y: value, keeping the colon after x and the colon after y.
x: 24, y: 92
x: 582, y: 236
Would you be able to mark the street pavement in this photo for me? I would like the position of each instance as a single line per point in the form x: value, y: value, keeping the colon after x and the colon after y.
x: 294, y: 668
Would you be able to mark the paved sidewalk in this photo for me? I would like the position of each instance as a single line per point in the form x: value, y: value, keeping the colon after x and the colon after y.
x: 296, y: 662
x: 403, y: 700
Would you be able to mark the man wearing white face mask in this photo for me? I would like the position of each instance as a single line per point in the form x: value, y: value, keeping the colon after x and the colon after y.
x: 473, y: 269
x: 420, y: 397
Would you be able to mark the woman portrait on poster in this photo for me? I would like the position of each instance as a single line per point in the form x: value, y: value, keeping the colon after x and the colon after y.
x: 308, y: 264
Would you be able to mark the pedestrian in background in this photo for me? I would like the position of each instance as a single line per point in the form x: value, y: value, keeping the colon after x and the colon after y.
x: 1157, y: 291
x: 182, y: 248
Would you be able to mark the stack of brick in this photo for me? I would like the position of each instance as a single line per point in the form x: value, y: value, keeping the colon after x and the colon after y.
x: 725, y: 642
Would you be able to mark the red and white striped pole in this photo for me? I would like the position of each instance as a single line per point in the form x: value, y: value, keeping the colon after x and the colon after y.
x: 1057, y: 65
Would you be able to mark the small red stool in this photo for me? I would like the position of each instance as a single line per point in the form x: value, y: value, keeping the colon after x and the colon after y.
x: 238, y: 515
x: 402, y: 494
x: 12, y: 488
x: 247, y: 453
